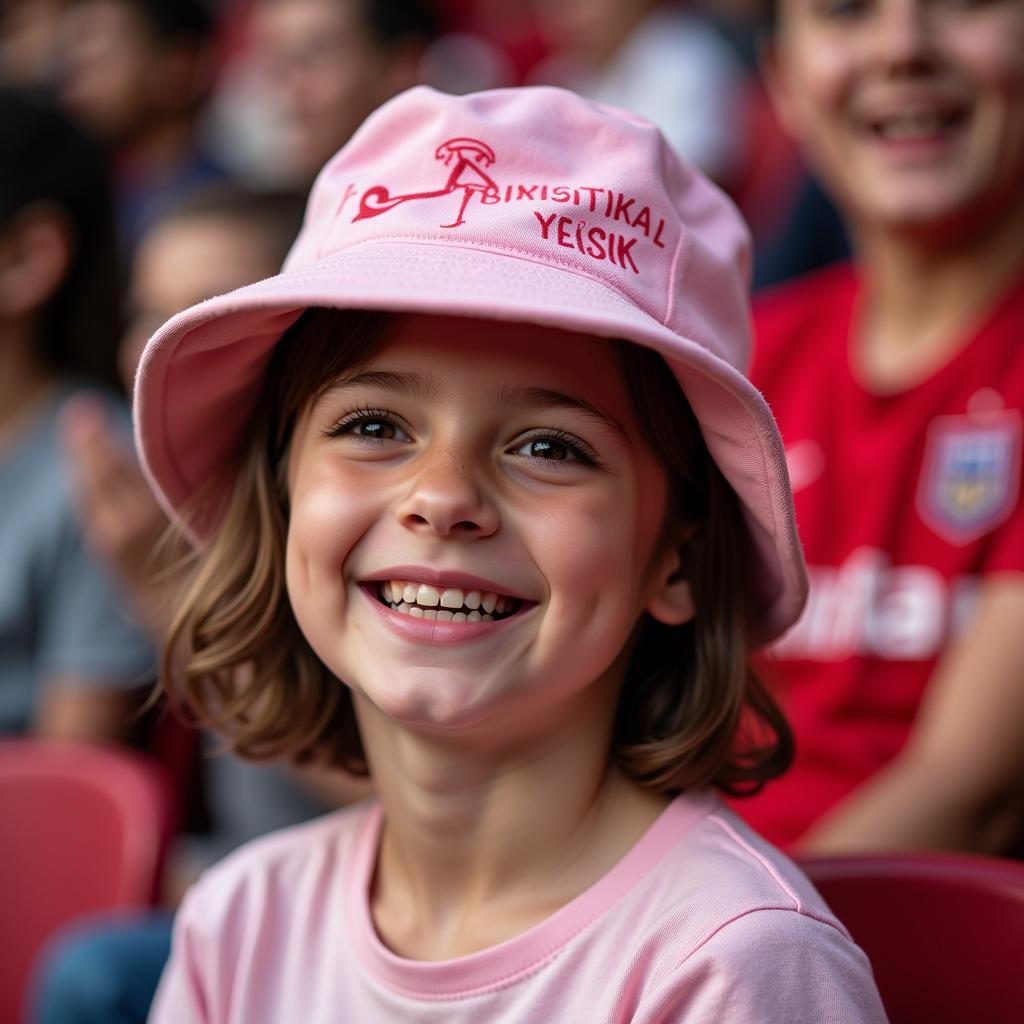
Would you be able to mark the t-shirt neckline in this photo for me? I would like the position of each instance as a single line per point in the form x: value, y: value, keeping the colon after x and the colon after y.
x: 503, y: 965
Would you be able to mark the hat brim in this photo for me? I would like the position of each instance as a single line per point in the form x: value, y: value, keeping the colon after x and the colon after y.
x: 202, y: 372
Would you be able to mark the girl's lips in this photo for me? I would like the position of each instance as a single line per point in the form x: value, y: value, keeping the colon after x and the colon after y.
x: 916, y: 130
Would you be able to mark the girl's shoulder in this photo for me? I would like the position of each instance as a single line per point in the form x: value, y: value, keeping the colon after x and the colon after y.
x: 699, y: 875
x: 270, y: 868
x: 725, y: 868
x: 725, y: 898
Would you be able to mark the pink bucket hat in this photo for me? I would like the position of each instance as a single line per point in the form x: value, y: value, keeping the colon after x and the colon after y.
x: 517, y: 204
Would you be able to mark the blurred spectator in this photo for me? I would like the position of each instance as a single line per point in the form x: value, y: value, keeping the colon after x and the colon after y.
x: 70, y: 658
x: 28, y: 40
x: 659, y: 60
x: 510, y: 28
x: 107, y: 970
x: 898, y: 384
x: 312, y: 72
x: 216, y: 240
x: 137, y: 73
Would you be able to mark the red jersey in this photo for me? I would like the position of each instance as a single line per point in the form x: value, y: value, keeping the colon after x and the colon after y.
x: 904, y: 501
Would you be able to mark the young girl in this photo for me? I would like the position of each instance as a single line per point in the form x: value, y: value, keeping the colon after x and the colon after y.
x: 898, y: 383
x: 484, y: 507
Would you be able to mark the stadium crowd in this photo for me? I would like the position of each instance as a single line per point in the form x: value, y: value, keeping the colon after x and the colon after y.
x: 156, y: 153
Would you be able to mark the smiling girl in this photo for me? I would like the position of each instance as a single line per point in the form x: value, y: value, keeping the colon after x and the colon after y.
x: 495, y: 517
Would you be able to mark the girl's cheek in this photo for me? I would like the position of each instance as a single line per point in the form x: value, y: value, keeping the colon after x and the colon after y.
x: 815, y: 78
x: 599, y: 543
x: 320, y: 537
x: 991, y: 48
x: 820, y: 87
x: 323, y: 516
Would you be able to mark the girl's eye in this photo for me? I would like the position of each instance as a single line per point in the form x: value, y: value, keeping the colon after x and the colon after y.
x: 370, y: 425
x: 840, y: 8
x: 555, y: 447
x: 546, y: 448
x: 377, y: 429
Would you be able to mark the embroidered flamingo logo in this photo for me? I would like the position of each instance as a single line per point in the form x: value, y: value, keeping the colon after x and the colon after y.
x: 467, y: 159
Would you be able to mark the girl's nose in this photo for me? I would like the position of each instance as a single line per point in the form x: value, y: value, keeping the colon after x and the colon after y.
x: 445, y: 499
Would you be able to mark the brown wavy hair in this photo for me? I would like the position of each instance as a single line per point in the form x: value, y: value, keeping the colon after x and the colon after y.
x: 691, y: 712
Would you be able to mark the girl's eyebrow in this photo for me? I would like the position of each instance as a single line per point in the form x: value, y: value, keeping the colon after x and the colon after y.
x: 410, y: 383
x: 425, y: 388
x: 553, y: 399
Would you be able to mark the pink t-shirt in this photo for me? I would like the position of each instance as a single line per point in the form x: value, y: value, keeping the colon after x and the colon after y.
x: 701, y: 921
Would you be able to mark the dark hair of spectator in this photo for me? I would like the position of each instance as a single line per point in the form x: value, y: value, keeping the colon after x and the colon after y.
x: 391, y: 22
x: 174, y: 20
x: 46, y: 158
x: 276, y: 215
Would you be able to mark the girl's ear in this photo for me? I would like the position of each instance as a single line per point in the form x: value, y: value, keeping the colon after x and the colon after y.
x: 671, y: 598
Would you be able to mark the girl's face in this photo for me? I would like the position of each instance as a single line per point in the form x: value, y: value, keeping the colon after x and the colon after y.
x: 477, y: 522
x: 912, y: 110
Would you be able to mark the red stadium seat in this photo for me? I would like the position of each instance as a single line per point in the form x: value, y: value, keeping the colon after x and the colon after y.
x: 944, y: 932
x: 83, y: 829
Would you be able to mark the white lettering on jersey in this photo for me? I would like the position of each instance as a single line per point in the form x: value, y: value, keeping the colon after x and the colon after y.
x: 870, y: 607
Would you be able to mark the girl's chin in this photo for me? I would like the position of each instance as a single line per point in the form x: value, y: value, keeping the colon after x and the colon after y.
x: 432, y: 699
x: 920, y: 202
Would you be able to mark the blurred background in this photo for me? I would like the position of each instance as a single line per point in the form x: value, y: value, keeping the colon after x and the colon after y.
x: 154, y: 153
x: 157, y: 152
x: 262, y: 92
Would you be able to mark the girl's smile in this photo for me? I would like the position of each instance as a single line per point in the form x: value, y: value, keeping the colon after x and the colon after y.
x: 433, y: 607
x: 468, y: 532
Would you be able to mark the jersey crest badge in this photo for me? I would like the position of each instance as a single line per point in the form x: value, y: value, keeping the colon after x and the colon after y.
x: 970, y: 480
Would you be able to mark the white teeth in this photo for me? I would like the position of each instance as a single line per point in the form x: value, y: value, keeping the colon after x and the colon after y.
x: 448, y: 604
x: 442, y: 614
x: 912, y: 126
